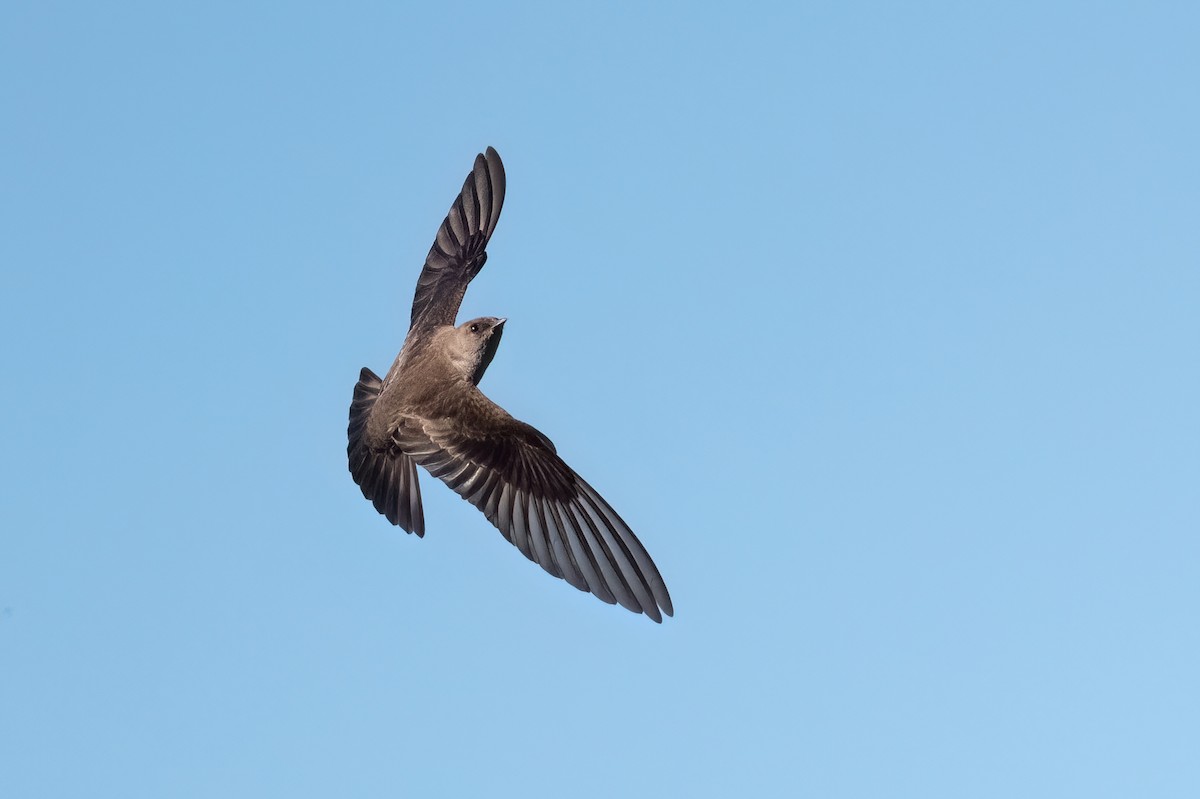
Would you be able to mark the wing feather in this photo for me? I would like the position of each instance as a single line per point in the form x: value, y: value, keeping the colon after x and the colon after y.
x: 459, y: 250
x: 511, y: 472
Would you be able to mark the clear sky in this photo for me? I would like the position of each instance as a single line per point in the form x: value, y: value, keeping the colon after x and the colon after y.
x: 877, y: 321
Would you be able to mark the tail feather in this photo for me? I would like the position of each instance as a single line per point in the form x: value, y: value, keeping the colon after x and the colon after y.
x: 386, y: 475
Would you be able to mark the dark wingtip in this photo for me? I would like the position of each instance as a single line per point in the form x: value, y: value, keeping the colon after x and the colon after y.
x: 664, y: 601
x: 498, y: 180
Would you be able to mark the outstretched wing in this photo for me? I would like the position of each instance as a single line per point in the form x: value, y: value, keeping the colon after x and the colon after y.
x: 460, y: 249
x: 511, y: 472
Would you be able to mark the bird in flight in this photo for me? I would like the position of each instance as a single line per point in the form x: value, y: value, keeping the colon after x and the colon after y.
x: 428, y: 410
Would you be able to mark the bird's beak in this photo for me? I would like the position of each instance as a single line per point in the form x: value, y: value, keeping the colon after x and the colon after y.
x: 500, y: 324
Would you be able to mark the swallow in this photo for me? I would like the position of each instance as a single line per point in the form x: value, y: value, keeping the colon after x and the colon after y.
x: 428, y: 411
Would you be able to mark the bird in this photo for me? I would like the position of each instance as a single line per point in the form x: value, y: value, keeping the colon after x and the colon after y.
x: 428, y: 411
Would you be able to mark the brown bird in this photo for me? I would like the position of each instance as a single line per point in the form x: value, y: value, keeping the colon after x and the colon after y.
x: 429, y: 411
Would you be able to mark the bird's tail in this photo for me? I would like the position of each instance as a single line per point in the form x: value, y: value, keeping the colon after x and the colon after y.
x: 387, y: 477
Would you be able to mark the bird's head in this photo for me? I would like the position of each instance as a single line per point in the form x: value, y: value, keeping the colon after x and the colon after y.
x: 475, y: 344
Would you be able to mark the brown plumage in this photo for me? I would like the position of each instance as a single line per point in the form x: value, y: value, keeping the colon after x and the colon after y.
x: 428, y: 410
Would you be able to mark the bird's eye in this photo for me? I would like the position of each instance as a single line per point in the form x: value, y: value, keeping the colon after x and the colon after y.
x: 474, y: 328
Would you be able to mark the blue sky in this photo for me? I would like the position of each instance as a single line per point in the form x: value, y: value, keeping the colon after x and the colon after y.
x: 877, y: 322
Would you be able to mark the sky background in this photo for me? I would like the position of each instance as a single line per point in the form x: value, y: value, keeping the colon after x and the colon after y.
x: 878, y: 322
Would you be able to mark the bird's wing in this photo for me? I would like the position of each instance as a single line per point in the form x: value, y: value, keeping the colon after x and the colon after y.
x: 511, y: 472
x: 385, y: 474
x: 460, y: 249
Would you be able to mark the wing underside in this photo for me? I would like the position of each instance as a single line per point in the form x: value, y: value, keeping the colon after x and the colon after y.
x: 460, y: 249
x: 556, y: 519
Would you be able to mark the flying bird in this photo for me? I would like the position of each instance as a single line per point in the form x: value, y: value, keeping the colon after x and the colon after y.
x: 428, y: 410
